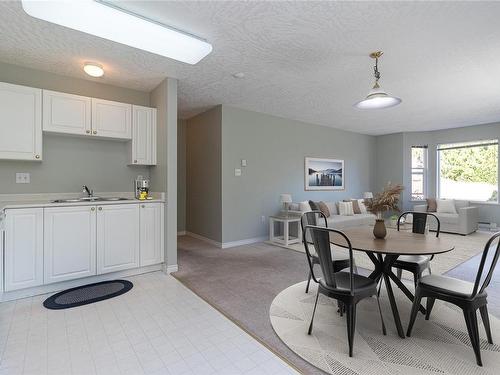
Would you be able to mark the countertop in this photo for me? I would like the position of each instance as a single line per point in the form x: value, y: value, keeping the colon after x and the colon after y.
x: 12, y: 201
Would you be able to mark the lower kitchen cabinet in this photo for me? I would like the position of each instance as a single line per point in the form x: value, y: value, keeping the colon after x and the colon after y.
x: 118, y: 238
x: 151, y: 234
x: 69, y: 243
x: 23, y: 248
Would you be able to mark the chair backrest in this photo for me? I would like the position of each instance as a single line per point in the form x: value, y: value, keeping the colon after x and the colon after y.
x: 420, y: 221
x: 492, y: 244
x: 311, y: 218
x: 321, y: 240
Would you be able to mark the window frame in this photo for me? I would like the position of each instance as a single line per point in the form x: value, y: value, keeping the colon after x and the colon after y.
x: 467, y: 144
x: 419, y: 171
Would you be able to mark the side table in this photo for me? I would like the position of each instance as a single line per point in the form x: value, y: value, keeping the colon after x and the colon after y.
x: 285, y: 239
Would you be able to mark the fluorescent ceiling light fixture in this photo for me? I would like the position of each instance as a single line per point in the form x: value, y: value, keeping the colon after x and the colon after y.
x: 93, y: 69
x: 108, y: 22
x: 377, y: 98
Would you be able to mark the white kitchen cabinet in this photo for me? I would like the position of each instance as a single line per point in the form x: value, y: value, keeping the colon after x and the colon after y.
x: 117, y: 237
x: 66, y: 113
x: 69, y: 243
x: 143, y: 146
x: 111, y: 119
x: 151, y: 234
x: 23, y: 248
x: 20, y: 122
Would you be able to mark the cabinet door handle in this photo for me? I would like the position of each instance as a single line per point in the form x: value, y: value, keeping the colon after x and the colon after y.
x: 100, y: 208
x: 95, y: 132
x: 37, y: 156
x: 92, y: 208
x: 88, y: 131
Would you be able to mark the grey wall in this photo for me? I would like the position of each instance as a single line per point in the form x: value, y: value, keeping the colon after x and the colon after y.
x: 389, y: 160
x: 204, y: 175
x: 164, y: 174
x: 275, y: 149
x: 70, y: 162
x: 181, y: 175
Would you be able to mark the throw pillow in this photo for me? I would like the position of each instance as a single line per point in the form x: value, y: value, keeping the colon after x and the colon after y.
x: 362, y: 206
x: 332, y: 207
x: 304, y: 206
x: 431, y: 205
x: 355, y: 206
x: 324, y: 208
x: 446, y: 206
x: 345, y: 209
x: 314, y: 206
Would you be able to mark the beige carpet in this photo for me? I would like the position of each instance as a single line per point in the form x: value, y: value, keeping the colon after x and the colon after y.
x: 438, y: 346
x: 465, y: 248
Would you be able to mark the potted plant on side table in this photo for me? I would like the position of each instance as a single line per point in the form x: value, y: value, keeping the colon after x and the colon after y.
x: 387, y: 200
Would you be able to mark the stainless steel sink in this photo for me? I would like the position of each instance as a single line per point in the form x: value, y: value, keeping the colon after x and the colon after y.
x: 89, y: 199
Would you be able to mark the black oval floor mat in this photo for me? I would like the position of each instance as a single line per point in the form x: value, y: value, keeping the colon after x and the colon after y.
x: 86, y: 294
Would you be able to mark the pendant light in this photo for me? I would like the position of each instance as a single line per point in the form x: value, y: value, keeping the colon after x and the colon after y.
x: 377, y: 98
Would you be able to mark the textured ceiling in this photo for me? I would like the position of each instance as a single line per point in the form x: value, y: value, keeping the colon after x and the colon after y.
x: 302, y: 60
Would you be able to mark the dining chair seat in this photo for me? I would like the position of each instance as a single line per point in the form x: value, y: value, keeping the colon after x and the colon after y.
x: 408, y: 261
x: 363, y: 286
x: 448, y: 285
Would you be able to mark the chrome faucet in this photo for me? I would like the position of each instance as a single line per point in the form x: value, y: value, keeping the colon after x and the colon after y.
x: 86, y: 190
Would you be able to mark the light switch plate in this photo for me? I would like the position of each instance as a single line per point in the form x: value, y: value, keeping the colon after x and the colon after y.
x: 22, y: 178
x: 243, y: 162
x: 237, y: 172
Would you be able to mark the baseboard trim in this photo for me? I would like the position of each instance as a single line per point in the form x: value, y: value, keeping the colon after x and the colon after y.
x: 181, y: 233
x: 227, y: 245
x: 172, y: 268
x: 248, y: 241
x: 206, y: 239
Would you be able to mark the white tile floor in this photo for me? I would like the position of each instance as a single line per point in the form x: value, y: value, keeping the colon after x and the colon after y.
x: 159, y: 327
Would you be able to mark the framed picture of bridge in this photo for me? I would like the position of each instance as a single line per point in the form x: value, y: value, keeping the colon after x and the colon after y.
x: 324, y: 174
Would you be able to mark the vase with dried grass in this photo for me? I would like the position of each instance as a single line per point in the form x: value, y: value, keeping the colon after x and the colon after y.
x: 387, y: 200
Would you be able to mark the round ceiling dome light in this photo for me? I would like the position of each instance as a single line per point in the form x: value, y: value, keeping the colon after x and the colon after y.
x: 377, y: 98
x: 93, y: 69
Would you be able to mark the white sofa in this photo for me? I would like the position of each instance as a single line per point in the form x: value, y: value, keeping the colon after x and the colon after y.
x: 335, y: 220
x: 464, y: 222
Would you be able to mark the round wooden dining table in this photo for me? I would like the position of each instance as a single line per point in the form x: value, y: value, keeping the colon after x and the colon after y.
x: 384, y: 252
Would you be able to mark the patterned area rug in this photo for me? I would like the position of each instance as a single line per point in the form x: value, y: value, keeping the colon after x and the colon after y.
x: 465, y: 248
x: 438, y: 346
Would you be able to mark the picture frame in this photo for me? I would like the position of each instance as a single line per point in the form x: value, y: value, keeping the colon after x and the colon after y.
x: 324, y: 174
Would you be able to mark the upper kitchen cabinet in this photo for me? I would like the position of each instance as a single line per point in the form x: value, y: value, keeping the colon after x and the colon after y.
x: 111, y: 119
x: 143, y: 145
x: 66, y: 113
x: 20, y: 122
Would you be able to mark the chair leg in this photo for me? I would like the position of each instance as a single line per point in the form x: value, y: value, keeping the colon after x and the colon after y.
x: 308, y: 282
x: 414, y: 311
x: 314, y: 312
x: 354, y: 266
x: 351, y: 326
x: 430, y: 305
x: 384, y: 331
x: 486, y: 322
x: 471, y: 322
x: 400, y: 273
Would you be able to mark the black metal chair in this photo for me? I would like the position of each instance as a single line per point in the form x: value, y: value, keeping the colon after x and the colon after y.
x: 469, y: 297
x: 346, y: 287
x: 311, y: 218
x: 416, y: 264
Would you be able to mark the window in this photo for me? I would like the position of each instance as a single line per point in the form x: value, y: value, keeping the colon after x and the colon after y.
x: 468, y: 170
x: 418, y: 172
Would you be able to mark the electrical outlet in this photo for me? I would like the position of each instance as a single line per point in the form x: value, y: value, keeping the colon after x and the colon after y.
x: 237, y: 172
x: 22, y: 178
x: 243, y: 162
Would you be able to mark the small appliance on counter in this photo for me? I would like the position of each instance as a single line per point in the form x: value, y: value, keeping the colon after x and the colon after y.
x: 142, y: 188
